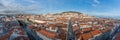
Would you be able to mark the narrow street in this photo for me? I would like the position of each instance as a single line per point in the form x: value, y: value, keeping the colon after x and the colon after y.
x: 71, y: 33
x: 32, y: 35
x: 116, y: 32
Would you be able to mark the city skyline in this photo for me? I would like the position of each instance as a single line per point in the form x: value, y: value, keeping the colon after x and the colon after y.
x: 59, y: 20
x: 92, y: 7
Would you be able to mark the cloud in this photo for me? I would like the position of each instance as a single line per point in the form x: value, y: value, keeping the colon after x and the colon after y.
x: 31, y: 1
x: 12, y: 5
x: 94, y: 5
x: 96, y: 2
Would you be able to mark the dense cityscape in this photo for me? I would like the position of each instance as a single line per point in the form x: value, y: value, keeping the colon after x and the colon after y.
x: 61, y: 26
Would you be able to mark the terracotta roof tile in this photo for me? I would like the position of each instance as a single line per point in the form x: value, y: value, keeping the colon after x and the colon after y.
x: 95, y: 32
x: 86, y: 36
x: 48, y: 34
x: 86, y: 29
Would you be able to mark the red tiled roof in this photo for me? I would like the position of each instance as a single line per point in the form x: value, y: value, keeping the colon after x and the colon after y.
x: 37, y: 29
x: 76, y: 27
x: 80, y: 37
x: 62, y: 35
x: 105, y: 30
x: 78, y: 34
x: 95, y: 32
x: 48, y: 34
x: 86, y: 29
x: 86, y: 36
x: 31, y: 27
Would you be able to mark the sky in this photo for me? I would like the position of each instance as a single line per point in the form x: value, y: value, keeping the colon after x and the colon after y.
x: 92, y: 7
